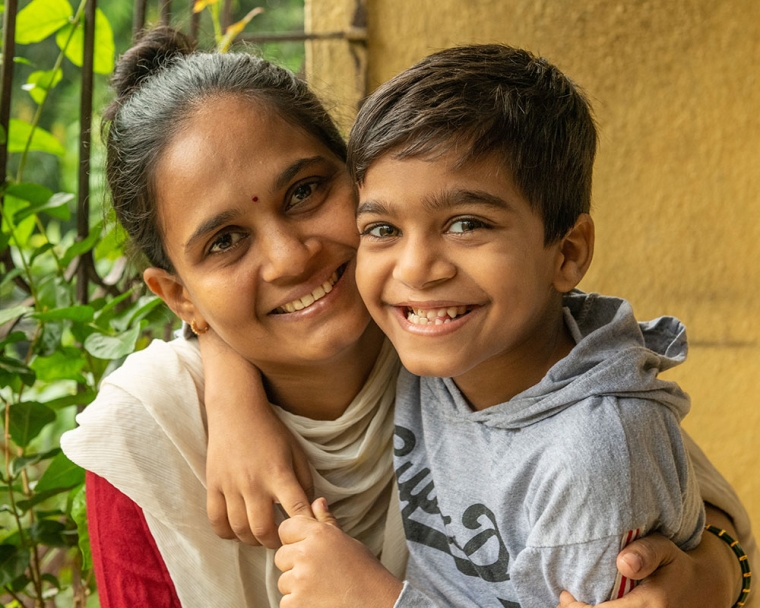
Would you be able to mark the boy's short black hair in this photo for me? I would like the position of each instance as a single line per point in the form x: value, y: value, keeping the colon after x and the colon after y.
x: 483, y: 100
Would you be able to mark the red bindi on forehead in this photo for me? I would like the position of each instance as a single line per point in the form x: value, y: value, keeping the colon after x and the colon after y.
x: 255, y: 199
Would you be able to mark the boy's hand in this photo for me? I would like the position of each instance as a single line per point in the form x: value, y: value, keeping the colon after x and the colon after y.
x: 672, y: 578
x: 253, y: 461
x: 325, y: 568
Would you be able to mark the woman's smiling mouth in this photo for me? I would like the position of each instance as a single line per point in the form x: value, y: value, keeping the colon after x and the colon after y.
x: 317, y: 294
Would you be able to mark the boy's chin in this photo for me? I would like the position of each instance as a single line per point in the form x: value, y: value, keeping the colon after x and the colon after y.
x: 424, y: 366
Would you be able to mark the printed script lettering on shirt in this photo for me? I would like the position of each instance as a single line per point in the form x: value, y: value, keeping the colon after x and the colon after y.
x: 474, y: 542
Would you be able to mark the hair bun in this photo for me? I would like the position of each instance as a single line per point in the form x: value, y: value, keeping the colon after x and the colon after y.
x: 150, y: 53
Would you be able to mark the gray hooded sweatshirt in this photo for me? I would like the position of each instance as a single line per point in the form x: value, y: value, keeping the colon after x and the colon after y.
x: 510, y: 505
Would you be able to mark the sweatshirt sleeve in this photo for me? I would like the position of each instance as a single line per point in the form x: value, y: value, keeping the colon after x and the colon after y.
x: 610, y: 478
x: 587, y: 570
x: 414, y: 598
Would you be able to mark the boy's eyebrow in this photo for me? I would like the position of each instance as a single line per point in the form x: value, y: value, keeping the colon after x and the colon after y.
x: 373, y: 207
x: 445, y: 199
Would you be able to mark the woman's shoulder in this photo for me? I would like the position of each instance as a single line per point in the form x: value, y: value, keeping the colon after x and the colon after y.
x: 146, y: 429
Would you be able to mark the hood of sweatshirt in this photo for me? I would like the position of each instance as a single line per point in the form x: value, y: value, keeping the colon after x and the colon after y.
x: 614, y: 355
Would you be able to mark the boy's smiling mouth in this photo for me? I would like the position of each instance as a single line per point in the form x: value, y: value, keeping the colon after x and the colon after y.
x: 435, y: 316
x: 316, y: 294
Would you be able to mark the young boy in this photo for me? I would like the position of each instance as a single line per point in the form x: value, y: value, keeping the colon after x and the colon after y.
x: 533, y: 437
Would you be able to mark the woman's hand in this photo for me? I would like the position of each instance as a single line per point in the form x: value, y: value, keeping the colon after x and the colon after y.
x: 322, y: 567
x: 253, y: 461
x: 670, y: 578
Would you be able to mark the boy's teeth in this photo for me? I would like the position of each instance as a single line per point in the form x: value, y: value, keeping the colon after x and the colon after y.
x: 434, y: 316
x: 320, y: 292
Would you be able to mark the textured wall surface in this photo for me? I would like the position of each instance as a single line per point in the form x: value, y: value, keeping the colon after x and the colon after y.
x: 676, y: 90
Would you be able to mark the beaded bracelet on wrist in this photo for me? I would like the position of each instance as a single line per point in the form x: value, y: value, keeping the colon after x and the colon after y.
x: 743, y: 562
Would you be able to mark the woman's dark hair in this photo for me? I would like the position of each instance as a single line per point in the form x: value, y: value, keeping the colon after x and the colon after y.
x: 482, y: 100
x: 159, y: 82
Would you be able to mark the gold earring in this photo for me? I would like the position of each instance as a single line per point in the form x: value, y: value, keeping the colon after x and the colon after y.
x: 197, y: 331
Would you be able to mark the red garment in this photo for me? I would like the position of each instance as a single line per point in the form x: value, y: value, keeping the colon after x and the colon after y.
x: 128, y: 567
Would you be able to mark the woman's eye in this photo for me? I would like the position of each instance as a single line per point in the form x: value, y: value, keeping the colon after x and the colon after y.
x: 226, y: 241
x: 302, y: 192
x: 381, y: 231
x: 465, y: 225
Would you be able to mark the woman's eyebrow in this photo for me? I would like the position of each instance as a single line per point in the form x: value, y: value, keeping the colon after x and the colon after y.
x: 290, y: 172
x: 210, y: 225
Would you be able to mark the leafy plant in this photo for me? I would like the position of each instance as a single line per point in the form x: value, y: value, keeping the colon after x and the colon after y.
x: 71, y: 306
x: 55, y: 343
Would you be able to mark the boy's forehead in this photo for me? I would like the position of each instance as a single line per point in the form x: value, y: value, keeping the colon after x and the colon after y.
x: 451, y: 157
x: 442, y: 179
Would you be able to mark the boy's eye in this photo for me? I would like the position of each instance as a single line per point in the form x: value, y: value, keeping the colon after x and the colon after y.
x: 465, y: 225
x: 226, y: 241
x: 381, y: 231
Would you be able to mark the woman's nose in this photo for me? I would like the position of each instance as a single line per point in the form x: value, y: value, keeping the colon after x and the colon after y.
x: 286, y: 253
x: 420, y: 266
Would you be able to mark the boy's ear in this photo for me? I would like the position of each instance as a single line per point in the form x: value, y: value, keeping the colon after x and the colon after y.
x: 576, y: 249
x: 170, y: 289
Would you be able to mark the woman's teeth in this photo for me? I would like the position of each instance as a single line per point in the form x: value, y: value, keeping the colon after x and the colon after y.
x: 434, y: 316
x: 309, y: 299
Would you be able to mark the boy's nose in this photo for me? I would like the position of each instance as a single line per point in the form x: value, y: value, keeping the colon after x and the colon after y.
x: 420, y: 266
x: 286, y: 254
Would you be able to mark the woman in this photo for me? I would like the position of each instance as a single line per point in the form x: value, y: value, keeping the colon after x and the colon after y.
x: 229, y: 176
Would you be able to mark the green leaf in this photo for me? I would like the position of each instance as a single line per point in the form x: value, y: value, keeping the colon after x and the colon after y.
x: 13, y: 313
x: 42, y: 141
x: 104, y: 346
x: 41, y: 18
x: 64, y: 364
x: 40, y: 251
x: 49, y: 532
x: 20, y: 463
x: 62, y: 474
x: 83, y: 314
x: 108, y: 311
x: 84, y: 246
x: 25, y: 505
x: 27, y: 419
x: 137, y: 312
x: 55, y: 206
x: 11, y: 369
x: 13, y: 562
x: 50, y: 339
x: 84, y: 398
x: 16, y: 336
x: 79, y: 515
x: 32, y: 193
x: 40, y: 82
x: 9, y: 276
x: 104, y: 44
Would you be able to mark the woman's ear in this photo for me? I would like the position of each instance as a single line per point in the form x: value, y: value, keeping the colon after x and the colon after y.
x: 576, y: 249
x: 170, y: 289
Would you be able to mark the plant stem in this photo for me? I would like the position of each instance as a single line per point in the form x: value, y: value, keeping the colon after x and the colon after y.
x: 38, y: 114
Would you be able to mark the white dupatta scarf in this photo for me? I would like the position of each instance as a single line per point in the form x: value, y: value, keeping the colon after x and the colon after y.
x: 146, y: 435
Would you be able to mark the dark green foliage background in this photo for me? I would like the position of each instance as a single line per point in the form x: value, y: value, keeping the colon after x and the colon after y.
x: 55, y: 350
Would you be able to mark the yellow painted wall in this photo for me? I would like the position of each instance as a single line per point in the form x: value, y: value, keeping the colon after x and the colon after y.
x: 676, y: 90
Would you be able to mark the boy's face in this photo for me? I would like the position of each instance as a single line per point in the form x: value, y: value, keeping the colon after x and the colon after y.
x: 453, y: 268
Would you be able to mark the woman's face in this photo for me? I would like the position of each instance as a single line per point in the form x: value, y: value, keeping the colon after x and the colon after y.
x: 258, y: 220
